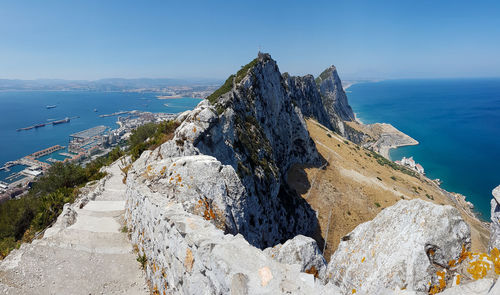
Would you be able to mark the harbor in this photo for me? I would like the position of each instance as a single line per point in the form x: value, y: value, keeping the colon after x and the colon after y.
x: 83, y: 146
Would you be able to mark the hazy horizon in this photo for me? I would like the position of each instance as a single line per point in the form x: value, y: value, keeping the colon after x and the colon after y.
x: 93, y: 40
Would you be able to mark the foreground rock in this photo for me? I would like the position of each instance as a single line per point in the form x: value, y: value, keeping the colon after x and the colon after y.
x: 406, y: 246
x: 85, y: 252
x: 186, y: 254
x: 495, y: 220
x: 302, y: 251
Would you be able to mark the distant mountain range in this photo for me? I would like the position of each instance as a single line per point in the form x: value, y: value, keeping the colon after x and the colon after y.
x: 111, y: 84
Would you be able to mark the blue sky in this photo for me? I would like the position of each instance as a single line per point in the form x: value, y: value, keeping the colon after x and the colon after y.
x: 212, y: 39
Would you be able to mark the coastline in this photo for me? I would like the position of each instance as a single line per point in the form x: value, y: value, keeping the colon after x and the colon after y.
x: 384, y: 143
x: 168, y: 96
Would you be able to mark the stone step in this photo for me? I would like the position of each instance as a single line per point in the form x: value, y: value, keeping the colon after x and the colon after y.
x: 96, y: 224
x: 92, y: 242
x: 100, y: 206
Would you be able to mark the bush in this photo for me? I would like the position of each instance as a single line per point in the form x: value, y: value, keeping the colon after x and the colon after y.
x: 150, y: 136
x: 225, y: 88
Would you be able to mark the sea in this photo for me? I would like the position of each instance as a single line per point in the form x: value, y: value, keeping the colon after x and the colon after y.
x: 456, y: 121
x: 19, y: 109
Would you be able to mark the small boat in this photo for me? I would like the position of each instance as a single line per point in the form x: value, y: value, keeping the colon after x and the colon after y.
x: 51, y: 106
x: 95, y: 110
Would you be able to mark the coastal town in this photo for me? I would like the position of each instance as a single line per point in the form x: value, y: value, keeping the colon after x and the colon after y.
x: 83, y: 147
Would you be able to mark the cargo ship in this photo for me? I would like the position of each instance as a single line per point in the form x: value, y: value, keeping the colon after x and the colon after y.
x: 65, y: 120
x: 25, y: 128
x: 51, y: 106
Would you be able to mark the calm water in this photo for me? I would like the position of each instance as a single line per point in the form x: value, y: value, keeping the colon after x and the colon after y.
x: 22, y: 109
x: 457, y: 123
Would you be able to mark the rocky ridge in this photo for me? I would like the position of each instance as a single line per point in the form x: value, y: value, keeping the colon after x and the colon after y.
x: 201, y: 205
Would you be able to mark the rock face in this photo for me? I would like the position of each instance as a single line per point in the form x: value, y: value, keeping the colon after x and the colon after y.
x: 323, y: 99
x: 404, y: 247
x: 495, y: 220
x: 254, y: 134
x: 186, y: 254
x: 333, y: 95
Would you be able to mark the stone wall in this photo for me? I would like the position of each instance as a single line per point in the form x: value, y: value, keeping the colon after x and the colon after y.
x: 187, y: 254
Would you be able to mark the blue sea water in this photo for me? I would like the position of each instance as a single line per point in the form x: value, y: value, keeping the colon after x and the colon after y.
x: 456, y: 121
x: 20, y: 109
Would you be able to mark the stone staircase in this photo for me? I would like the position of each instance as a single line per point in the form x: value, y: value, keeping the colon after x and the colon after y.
x: 91, y: 256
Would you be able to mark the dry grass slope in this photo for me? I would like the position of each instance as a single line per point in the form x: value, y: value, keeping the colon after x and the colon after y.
x: 354, y: 187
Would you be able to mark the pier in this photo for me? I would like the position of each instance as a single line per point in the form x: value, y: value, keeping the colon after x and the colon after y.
x: 53, y: 122
x: 46, y: 151
x: 115, y: 114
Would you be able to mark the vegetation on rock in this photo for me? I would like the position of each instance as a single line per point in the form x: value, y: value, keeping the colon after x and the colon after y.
x: 150, y: 136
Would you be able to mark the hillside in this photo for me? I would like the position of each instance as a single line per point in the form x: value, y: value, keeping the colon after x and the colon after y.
x: 357, y: 184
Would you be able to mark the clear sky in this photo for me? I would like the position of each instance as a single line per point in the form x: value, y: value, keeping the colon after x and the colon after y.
x: 212, y: 39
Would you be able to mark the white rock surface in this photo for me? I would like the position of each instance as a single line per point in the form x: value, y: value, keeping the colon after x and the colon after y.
x: 85, y: 252
x: 479, y: 287
x: 186, y: 254
x: 495, y: 220
x: 402, y: 248
x: 300, y: 250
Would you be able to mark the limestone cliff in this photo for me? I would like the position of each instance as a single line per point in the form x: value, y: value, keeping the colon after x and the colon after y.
x: 255, y: 133
x: 323, y: 99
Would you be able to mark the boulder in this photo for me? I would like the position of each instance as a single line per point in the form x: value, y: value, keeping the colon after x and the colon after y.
x: 300, y: 250
x: 407, y: 246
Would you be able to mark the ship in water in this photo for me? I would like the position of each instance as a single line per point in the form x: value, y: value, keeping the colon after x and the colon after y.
x: 65, y: 120
x: 39, y: 125
x: 51, y: 106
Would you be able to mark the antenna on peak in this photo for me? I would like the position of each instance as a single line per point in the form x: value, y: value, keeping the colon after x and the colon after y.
x: 260, y: 48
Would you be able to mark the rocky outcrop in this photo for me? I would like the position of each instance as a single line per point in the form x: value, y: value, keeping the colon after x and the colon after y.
x: 254, y: 134
x: 333, y: 95
x: 300, y: 250
x: 406, y: 246
x: 186, y: 254
x: 323, y: 99
x: 495, y: 220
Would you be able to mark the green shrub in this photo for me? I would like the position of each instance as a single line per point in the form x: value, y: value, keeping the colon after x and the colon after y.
x: 143, y: 260
x: 225, y: 88
x: 150, y: 136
